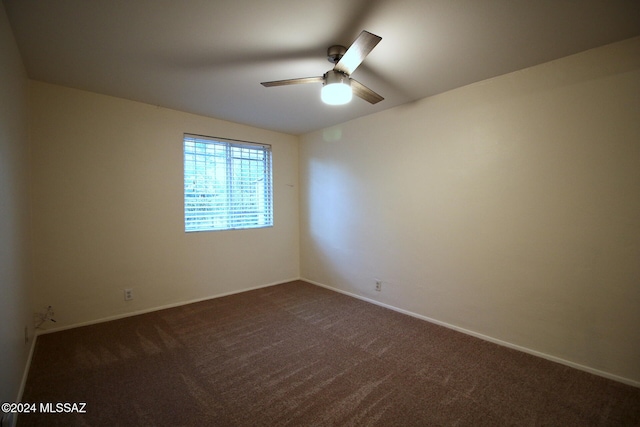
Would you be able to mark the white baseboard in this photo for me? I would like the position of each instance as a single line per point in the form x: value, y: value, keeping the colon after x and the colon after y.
x: 163, y: 307
x: 14, y: 420
x: 23, y: 382
x: 486, y: 337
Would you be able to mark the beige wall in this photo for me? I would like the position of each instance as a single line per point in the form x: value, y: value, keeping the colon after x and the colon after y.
x: 509, y: 208
x: 15, y: 308
x: 108, y: 209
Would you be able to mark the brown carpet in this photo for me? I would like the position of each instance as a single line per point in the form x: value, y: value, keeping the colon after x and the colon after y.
x: 300, y: 355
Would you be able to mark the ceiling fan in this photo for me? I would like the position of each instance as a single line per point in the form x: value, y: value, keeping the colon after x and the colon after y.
x: 337, y: 84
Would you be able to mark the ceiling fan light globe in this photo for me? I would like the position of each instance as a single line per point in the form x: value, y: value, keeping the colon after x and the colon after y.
x: 336, y: 94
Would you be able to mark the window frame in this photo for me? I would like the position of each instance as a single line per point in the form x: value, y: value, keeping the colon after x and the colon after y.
x: 241, y: 170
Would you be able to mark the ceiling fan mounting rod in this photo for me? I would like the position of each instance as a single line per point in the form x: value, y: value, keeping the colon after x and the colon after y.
x: 335, y: 53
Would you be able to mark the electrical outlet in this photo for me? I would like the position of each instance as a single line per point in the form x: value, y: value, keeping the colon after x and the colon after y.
x: 378, y: 285
x: 128, y: 294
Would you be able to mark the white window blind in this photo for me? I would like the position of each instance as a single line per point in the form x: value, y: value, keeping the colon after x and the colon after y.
x: 227, y: 184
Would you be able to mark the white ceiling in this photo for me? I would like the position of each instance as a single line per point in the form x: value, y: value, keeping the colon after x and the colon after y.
x: 209, y: 56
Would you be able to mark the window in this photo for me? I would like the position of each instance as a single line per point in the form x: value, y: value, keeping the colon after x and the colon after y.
x: 227, y: 184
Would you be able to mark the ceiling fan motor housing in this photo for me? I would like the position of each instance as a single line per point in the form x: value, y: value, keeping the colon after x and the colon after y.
x: 333, y: 76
